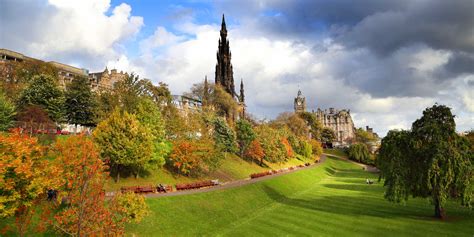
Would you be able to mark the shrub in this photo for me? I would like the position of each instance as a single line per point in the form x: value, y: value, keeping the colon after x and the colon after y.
x: 130, y: 207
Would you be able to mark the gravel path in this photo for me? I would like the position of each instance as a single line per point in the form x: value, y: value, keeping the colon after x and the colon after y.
x: 232, y: 184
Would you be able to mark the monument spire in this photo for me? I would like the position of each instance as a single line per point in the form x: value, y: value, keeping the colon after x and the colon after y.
x: 242, y: 96
x: 224, y: 70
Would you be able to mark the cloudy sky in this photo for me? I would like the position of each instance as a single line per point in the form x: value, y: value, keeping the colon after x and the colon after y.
x: 384, y: 60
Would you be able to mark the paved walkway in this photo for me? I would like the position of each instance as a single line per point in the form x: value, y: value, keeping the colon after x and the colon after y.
x: 232, y: 184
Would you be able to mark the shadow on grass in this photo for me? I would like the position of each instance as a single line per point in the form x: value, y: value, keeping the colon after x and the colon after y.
x: 348, y: 205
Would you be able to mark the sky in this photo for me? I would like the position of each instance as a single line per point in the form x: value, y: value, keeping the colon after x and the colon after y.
x: 385, y: 61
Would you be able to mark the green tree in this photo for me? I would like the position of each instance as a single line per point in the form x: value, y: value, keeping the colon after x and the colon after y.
x: 43, y: 91
x: 80, y: 102
x: 224, y: 136
x: 364, y: 136
x: 124, y: 142
x: 7, y: 113
x: 360, y: 153
x: 328, y: 135
x: 245, y: 135
x: 313, y: 123
x: 149, y: 116
x: 438, y: 162
x: 293, y: 122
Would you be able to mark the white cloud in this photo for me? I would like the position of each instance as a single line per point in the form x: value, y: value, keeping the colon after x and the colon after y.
x: 71, y: 31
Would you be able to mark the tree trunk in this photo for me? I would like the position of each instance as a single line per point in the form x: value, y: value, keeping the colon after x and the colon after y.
x: 439, y: 211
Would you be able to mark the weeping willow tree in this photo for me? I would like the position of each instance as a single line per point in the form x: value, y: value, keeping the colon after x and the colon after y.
x: 430, y: 161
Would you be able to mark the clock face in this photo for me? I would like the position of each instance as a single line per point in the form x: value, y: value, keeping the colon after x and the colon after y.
x: 298, y: 102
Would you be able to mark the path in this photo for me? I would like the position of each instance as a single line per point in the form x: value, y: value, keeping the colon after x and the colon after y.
x: 232, y: 184
x: 368, y: 168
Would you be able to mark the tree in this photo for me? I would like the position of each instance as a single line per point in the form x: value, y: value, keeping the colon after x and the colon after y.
x: 129, y: 206
x: 295, y: 123
x: 245, y: 135
x: 364, y: 136
x: 193, y: 157
x: 33, y: 118
x: 271, y: 141
x: 80, y: 102
x: 82, y: 183
x: 313, y: 123
x: 224, y: 136
x: 44, y: 92
x: 124, y: 143
x: 25, y: 174
x: 150, y: 117
x: 255, y: 152
x: 436, y: 162
x: 7, y: 113
x: 328, y: 135
x: 316, y: 147
x: 360, y: 153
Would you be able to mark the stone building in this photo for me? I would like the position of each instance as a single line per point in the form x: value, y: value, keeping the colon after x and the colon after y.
x: 340, y: 121
x: 66, y: 73
x: 224, y: 70
x: 106, y: 80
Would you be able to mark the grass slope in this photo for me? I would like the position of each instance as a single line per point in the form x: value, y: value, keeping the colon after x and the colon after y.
x: 231, y: 168
x: 329, y: 200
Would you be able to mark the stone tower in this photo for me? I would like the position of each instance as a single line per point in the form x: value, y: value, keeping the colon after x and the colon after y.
x: 242, y: 99
x: 224, y: 72
x: 300, y: 103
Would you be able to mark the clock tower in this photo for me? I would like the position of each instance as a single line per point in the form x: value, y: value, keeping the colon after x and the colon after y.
x: 300, y: 103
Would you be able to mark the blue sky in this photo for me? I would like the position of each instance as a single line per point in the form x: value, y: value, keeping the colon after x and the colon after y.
x: 386, y: 61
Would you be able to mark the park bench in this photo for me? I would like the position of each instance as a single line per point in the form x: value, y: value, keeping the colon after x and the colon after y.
x: 164, y: 188
x: 196, y: 185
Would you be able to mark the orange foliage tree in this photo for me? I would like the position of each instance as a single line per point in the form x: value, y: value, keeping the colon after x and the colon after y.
x: 191, y: 157
x: 24, y: 176
x: 288, y: 148
x: 255, y: 152
x: 82, y: 189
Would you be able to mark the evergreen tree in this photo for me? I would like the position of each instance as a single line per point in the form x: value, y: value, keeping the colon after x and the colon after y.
x: 245, y: 135
x: 7, y: 113
x: 224, y: 136
x: 80, y: 102
x: 44, y: 92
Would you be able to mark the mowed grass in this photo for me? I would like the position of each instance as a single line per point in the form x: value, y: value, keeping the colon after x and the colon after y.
x: 231, y: 168
x: 329, y: 200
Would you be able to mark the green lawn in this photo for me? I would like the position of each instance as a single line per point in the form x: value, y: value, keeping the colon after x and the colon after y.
x: 328, y: 200
x: 231, y: 168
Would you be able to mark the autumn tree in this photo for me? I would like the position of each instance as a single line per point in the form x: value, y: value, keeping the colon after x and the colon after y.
x: 82, y: 183
x: 33, y: 117
x: 315, y: 127
x: 245, y: 135
x: 43, y: 91
x: 124, y: 143
x: 7, y: 113
x: 255, y: 152
x: 430, y: 161
x: 271, y: 142
x: 25, y: 174
x: 316, y: 148
x: 80, y: 103
x: 293, y: 122
x: 193, y: 157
